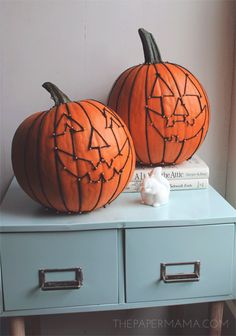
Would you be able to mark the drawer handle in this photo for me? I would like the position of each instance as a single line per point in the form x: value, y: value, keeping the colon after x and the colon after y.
x: 180, y: 277
x: 60, y: 285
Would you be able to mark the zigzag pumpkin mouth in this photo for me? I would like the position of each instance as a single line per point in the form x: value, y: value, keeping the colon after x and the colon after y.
x: 106, y: 161
x: 101, y: 171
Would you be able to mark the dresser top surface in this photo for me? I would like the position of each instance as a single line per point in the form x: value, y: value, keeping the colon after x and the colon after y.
x: 187, y: 207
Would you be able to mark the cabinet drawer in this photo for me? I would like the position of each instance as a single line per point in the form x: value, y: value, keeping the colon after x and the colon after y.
x: 24, y: 255
x: 209, y: 247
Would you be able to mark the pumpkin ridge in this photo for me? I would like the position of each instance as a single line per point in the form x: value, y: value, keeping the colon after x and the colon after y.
x: 39, y: 137
x: 99, y: 197
x: 116, y: 81
x: 200, y: 141
x: 180, y: 152
x: 131, y: 93
x: 113, y: 195
x: 24, y: 157
x: 74, y: 156
x: 56, y: 163
x: 163, y: 113
x: 157, y: 130
x: 117, y: 100
x: 129, y: 176
x: 117, y: 187
x: 146, y: 117
x: 131, y: 167
x: 90, y: 123
x: 123, y: 84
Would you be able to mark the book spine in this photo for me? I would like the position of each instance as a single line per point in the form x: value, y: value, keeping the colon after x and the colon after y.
x: 189, y: 184
x: 175, y: 174
x: 186, y: 184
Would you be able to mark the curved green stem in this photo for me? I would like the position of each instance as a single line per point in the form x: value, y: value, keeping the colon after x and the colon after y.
x: 56, y: 94
x: 150, y: 49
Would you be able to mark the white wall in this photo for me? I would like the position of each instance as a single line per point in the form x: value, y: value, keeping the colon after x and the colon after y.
x: 84, y: 45
x: 231, y: 172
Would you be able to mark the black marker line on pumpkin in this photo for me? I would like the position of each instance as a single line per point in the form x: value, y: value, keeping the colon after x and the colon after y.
x: 59, y: 183
x: 119, y: 151
x: 120, y: 174
x: 116, y: 82
x: 146, y: 117
x: 181, y: 68
x: 75, y: 158
x: 38, y: 160
x: 130, y: 71
x: 182, y: 145
x: 27, y: 142
x: 99, y: 197
x: 129, y: 175
x: 110, y: 126
x: 131, y: 93
x: 204, y: 93
x: 162, y: 114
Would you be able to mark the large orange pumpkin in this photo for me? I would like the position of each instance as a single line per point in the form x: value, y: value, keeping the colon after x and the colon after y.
x: 164, y: 106
x: 75, y: 157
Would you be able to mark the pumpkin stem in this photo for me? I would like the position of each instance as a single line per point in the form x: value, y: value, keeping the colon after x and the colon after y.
x: 56, y: 94
x: 150, y: 49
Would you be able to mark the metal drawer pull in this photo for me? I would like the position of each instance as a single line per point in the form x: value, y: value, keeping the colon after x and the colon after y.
x: 180, y: 277
x: 60, y: 285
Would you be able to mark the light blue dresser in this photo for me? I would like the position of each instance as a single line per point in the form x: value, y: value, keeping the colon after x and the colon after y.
x: 125, y: 256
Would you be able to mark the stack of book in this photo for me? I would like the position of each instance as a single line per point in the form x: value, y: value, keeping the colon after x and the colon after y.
x: 191, y: 174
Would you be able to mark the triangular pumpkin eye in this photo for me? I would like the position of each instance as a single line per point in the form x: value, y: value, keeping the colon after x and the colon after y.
x: 76, y: 126
x: 190, y: 88
x: 160, y: 88
x: 96, y: 140
x: 67, y: 124
x: 110, y: 119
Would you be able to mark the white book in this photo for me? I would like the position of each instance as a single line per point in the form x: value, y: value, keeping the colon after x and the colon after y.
x: 185, y: 184
x: 194, y: 168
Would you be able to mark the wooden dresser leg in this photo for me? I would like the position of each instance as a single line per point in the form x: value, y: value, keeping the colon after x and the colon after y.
x: 17, y: 326
x: 216, y: 317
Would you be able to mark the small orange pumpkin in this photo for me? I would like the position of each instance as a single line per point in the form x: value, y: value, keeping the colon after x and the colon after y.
x: 75, y: 157
x: 164, y: 106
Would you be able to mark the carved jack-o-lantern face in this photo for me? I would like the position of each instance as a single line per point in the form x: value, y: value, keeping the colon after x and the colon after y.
x: 78, y: 156
x: 164, y: 107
